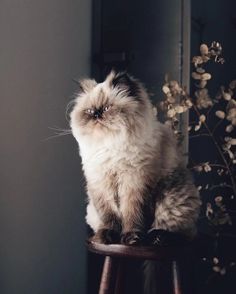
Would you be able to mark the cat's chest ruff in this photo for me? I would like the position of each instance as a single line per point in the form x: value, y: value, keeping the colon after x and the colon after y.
x: 117, y: 157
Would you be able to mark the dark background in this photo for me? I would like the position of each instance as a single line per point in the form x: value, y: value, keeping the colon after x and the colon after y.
x: 150, y: 39
x: 43, y: 45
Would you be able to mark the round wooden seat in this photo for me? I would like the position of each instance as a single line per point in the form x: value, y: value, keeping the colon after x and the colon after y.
x: 138, y: 252
x: 116, y: 254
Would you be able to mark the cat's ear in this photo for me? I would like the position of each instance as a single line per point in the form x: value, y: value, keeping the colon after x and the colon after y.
x: 125, y: 82
x: 86, y: 85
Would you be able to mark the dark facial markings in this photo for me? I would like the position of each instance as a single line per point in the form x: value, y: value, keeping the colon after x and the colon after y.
x: 124, y: 81
x: 96, y: 113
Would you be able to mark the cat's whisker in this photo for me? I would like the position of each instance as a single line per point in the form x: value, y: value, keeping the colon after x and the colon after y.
x: 59, y: 132
x: 68, y: 107
x: 56, y: 136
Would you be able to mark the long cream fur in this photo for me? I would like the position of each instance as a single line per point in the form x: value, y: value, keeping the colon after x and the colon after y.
x: 125, y: 153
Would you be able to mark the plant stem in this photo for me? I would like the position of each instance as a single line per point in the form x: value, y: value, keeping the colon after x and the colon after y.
x: 199, y: 135
x: 218, y: 165
x: 220, y: 186
x: 211, y: 164
x: 216, y: 126
x: 219, y: 150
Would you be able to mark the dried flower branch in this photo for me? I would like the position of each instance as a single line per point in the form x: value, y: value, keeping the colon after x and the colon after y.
x: 177, y: 101
x: 214, y: 119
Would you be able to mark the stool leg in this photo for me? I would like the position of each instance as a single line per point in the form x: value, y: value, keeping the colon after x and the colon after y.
x: 176, y: 278
x: 119, y: 286
x: 108, y: 276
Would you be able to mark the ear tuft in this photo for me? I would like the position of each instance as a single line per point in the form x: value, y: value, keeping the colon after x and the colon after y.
x: 125, y: 82
x: 86, y: 85
x: 121, y: 78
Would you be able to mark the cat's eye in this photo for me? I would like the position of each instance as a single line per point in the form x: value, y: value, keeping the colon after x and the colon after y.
x: 89, y: 111
x: 106, y: 108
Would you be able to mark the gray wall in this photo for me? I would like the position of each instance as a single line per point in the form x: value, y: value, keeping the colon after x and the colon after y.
x: 43, y: 45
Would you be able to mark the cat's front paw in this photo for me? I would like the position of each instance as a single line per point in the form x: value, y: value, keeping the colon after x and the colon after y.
x: 165, y: 238
x: 106, y: 236
x: 132, y: 238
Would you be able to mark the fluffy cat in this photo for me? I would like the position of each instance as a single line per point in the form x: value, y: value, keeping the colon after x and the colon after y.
x: 135, y: 178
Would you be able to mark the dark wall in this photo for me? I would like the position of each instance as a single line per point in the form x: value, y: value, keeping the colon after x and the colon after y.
x: 142, y: 37
x: 216, y: 23
x: 148, y: 39
x: 44, y: 44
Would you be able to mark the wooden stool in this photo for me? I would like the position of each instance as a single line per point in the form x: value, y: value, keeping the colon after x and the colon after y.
x: 115, y: 254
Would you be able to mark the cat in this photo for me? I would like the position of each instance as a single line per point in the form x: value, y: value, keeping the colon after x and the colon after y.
x: 136, y: 181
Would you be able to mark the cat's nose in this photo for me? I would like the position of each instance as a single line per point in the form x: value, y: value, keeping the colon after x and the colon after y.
x: 97, y: 114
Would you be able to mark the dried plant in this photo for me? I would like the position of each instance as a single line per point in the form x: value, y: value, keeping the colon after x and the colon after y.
x: 214, y: 119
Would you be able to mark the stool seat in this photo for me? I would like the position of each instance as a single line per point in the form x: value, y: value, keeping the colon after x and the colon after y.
x: 115, y: 255
x: 139, y: 252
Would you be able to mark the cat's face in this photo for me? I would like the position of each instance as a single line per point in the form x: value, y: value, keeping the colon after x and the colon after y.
x: 109, y: 107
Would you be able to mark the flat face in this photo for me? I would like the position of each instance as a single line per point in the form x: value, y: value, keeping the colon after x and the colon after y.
x: 113, y: 106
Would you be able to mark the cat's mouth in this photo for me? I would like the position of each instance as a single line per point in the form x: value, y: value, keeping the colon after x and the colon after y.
x: 100, y: 123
